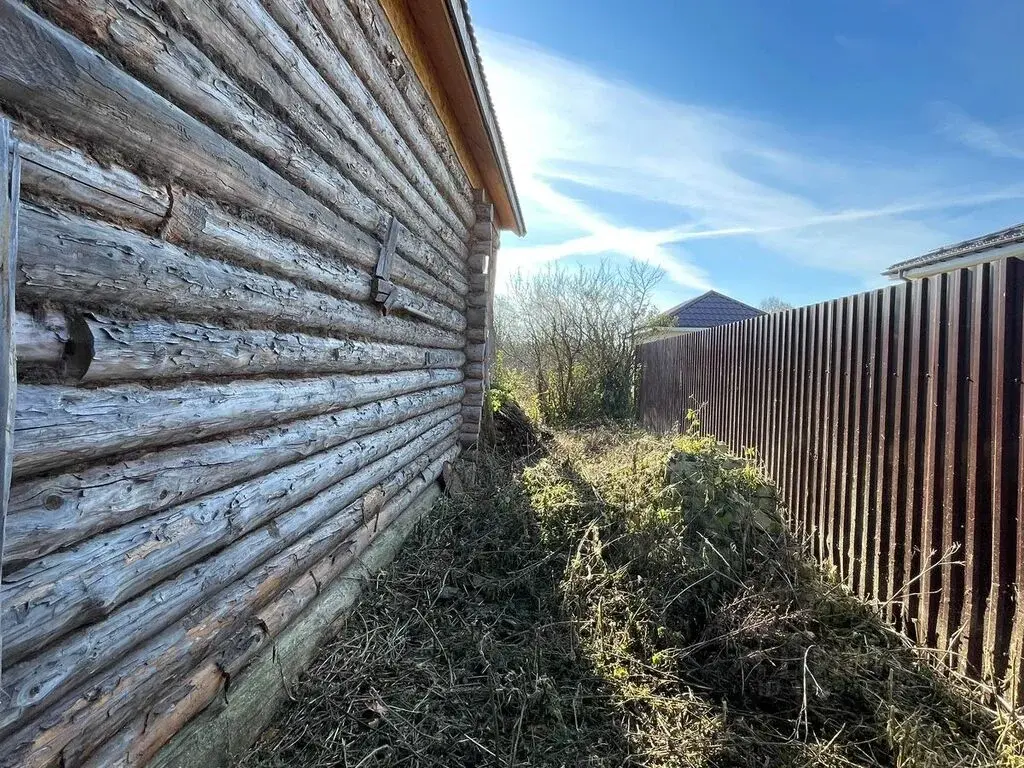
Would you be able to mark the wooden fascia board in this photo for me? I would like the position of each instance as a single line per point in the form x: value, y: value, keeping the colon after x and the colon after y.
x: 439, y: 55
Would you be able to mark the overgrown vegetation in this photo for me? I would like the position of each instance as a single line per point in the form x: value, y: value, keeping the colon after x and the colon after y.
x: 568, y: 340
x: 618, y: 599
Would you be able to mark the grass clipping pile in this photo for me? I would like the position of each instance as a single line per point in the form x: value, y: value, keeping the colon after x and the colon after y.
x: 625, y: 600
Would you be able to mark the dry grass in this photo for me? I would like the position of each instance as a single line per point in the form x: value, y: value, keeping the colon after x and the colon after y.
x: 575, y: 610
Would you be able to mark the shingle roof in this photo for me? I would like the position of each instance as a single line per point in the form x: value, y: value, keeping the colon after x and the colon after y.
x: 1008, y: 236
x: 711, y: 309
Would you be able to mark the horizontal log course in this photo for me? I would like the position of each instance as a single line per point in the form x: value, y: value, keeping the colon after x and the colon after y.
x: 53, y: 512
x: 297, y: 19
x: 290, y: 655
x: 76, y: 725
x: 59, y: 426
x: 303, y: 94
x: 385, y: 66
x: 60, y: 81
x: 51, y: 673
x: 473, y: 398
x: 139, y: 742
x: 59, y: 592
x: 164, y: 59
x: 148, y: 349
x: 478, y: 260
x: 370, y: 74
x: 104, y: 265
x: 42, y: 340
x: 55, y: 172
x: 476, y: 351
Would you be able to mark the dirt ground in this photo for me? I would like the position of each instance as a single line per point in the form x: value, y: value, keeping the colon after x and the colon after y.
x: 581, y: 604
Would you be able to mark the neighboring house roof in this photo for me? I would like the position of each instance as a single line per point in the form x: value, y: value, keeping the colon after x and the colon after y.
x: 1006, y: 242
x: 439, y: 40
x: 711, y: 309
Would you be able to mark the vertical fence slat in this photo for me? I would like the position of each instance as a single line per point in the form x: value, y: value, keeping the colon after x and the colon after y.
x: 891, y: 422
x: 883, y: 450
x: 997, y: 623
x: 840, y: 433
x: 799, y: 453
x: 916, y: 409
x: 897, y: 495
x: 975, y: 548
x: 869, y: 414
x: 954, y: 462
x: 1015, y: 328
x: 931, y: 414
x: 817, y: 490
x: 855, y: 462
x: 791, y: 416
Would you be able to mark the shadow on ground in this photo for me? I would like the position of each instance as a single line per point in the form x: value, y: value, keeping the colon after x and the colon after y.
x: 560, y: 613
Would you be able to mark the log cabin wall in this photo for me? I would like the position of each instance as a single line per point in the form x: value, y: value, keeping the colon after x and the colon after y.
x: 215, y: 410
x: 479, y: 315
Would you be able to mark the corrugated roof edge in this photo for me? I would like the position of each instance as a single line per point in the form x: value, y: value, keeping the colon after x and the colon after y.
x: 458, y: 10
x: 1008, y: 236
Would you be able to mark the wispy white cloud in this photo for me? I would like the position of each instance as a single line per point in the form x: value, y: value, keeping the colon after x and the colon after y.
x: 721, y: 175
x: 977, y: 135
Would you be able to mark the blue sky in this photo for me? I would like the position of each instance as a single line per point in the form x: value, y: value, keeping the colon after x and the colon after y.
x: 790, y: 148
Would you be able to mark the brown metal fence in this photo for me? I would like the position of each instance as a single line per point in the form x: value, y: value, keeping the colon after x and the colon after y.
x: 891, y: 420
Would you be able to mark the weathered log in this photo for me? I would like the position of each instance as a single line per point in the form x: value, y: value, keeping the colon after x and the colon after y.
x: 60, y: 172
x: 77, y: 91
x: 318, y: 75
x: 59, y: 426
x: 163, y: 58
x: 305, y: 29
x: 52, y: 512
x: 55, y: 172
x: 149, y: 349
x: 53, y: 595
x: 10, y: 188
x: 42, y: 340
x: 398, y: 128
x: 136, y: 744
x: 53, y: 672
x: 75, y: 726
x: 246, y: 37
x: 103, y: 265
x: 364, y: 32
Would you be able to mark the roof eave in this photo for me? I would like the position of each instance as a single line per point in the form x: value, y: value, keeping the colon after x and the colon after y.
x: 471, y: 57
x: 930, y: 269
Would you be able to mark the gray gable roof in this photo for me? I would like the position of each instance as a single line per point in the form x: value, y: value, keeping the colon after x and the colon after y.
x: 711, y: 309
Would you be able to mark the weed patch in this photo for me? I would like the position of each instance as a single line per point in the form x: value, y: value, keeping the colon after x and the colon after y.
x: 619, y: 599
